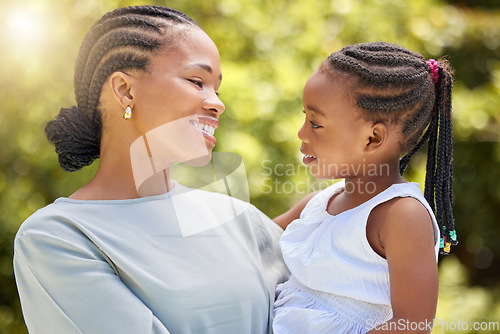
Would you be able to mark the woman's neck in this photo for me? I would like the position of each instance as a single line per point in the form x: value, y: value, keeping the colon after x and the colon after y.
x: 123, y: 174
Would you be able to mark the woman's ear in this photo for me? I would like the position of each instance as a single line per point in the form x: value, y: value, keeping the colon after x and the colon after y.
x: 122, y: 87
x: 377, y: 137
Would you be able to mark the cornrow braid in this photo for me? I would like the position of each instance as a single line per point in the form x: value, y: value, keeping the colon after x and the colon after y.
x: 121, y: 40
x: 396, y: 85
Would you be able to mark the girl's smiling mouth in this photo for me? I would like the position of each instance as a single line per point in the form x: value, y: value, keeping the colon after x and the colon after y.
x: 308, y: 159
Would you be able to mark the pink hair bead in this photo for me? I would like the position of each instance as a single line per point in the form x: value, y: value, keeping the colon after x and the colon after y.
x: 433, y: 64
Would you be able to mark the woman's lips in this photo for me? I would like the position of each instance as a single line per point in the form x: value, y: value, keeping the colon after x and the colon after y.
x: 206, y: 125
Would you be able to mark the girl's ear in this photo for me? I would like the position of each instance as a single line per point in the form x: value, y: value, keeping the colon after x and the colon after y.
x: 376, y: 138
x: 122, y: 85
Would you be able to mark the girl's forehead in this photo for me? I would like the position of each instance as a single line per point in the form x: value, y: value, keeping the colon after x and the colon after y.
x: 321, y: 85
x: 329, y: 98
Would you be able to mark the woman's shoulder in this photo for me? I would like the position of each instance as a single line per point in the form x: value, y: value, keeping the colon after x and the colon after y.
x: 46, y: 227
x: 67, y: 219
x: 45, y: 218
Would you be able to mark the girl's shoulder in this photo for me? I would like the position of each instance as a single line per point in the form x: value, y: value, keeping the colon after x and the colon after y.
x: 403, y: 210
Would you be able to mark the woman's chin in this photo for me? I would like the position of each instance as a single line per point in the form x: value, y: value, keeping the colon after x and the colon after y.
x: 201, y: 160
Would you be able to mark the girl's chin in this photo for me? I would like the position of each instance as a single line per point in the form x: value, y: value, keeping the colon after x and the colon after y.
x: 322, y: 176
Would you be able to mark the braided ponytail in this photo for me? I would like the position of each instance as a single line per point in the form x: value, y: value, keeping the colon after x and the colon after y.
x: 440, y: 153
x: 399, y: 86
x: 439, y: 168
x: 121, y: 40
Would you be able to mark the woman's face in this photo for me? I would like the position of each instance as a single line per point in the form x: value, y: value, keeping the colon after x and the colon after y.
x: 176, y: 104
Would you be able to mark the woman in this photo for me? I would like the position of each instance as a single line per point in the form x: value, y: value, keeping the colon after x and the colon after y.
x: 121, y: 255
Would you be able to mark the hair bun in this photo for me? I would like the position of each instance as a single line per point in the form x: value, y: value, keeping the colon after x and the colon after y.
x: 76, y: 137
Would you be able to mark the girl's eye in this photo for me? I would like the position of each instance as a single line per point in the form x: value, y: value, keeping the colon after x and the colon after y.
x: 314, y: 125
x: 196, y: 82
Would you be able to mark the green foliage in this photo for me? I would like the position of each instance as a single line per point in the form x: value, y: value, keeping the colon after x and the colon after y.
x: 461, y: 307
x: 268, y: 50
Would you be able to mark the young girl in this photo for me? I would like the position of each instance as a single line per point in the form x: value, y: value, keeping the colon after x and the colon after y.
x: 363, y: 254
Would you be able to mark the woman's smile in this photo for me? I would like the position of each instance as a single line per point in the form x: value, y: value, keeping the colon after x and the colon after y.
x: 206, y: 125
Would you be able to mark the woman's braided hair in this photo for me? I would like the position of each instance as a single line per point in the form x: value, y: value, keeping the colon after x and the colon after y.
x: 395, y: 85
x: 121, y: 40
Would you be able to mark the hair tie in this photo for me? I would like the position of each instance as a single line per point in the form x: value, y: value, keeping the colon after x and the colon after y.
x: 433, y: 64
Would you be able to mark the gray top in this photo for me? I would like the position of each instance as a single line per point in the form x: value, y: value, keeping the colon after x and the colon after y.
x: 188, y: 261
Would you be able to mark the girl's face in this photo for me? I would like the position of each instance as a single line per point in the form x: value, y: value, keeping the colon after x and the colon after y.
x: 333, y: 134
x: 178, y: 98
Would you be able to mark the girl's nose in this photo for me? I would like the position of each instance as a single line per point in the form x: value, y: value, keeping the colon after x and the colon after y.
x: 302, y: 133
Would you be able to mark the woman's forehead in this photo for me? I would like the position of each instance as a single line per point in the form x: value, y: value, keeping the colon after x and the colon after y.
x: 193, y: 48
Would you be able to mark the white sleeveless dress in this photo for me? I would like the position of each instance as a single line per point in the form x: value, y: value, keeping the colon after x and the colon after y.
x: 338, y: 283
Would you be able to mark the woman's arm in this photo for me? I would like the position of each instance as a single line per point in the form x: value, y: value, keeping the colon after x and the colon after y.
x: 294, y: 213
x: 67, y: 286
x: 407, y: 239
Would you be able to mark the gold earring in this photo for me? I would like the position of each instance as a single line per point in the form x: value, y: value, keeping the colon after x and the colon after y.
x: 128, y: 113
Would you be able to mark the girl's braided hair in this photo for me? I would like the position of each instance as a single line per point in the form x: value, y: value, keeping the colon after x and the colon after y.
x: 121, y: 40
x: 399, y: 86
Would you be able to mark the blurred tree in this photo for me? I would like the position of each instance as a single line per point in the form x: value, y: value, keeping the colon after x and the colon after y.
x: 481, y: 4
x: 268, y: 49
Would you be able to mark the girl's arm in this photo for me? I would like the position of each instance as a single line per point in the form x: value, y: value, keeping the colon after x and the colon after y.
x: 406, y: 239
x: 286, y: 218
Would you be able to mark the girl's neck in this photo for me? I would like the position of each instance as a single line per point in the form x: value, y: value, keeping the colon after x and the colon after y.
x: 367, y: 183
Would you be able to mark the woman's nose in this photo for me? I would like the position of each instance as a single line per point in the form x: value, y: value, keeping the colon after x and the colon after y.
x: 214, y: 103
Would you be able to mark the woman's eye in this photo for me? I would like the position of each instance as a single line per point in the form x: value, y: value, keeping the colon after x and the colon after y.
x: 196, y: 82
x: 314, y: 125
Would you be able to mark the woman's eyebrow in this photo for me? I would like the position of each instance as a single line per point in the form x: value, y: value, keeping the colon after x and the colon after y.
x: 205, y: 67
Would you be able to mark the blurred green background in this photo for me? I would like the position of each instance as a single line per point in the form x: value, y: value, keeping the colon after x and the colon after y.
x: 268, y: 49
